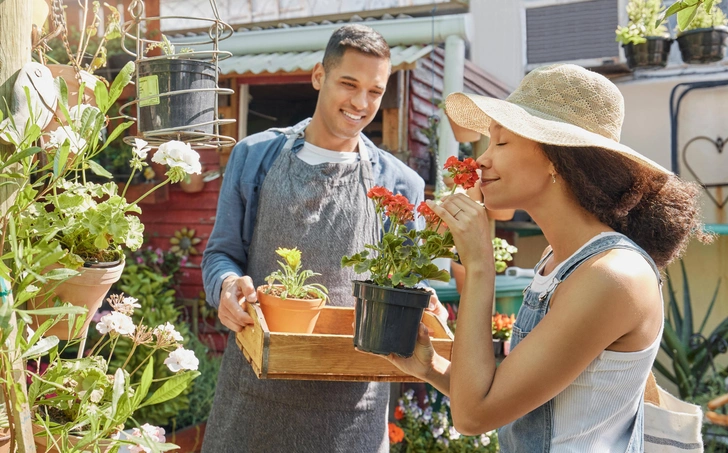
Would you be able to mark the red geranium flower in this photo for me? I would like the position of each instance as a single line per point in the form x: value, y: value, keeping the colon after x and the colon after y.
x: 430, y: 217
x: 400, y: 209
x: 463, y: 173
x: 398, y: 413
x: 396, y: 435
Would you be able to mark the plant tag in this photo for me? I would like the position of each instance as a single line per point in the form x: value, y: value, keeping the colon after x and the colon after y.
x: 148, y: 87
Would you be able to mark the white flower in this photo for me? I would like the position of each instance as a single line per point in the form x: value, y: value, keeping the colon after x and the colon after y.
x: 149, y: 433
x: 127, y: 305
x: 116, y: 323
x: 96, y: 395
x: 454, y: 434
x: 167, y: 333
x: 485, y: 440
x: 181, y: 359
x: 140, y: 148
x: 64, y: 134
x: 177, y: 154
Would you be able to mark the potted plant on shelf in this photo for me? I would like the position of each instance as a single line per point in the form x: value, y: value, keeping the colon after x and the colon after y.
x: 645, y: 40
x: 502, y: 330
x: 176, y: 93
x: 703, y: 40
x: 83, y: 404
x: 291, y: 305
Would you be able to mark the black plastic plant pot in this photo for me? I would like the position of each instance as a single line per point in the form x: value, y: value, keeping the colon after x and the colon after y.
x: 188, y: 110
x: 703, y: 45
x: 652, y: 54
x: 387, y: 319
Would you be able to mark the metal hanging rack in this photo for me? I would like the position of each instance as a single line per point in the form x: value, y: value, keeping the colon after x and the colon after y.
x: 202, y: 134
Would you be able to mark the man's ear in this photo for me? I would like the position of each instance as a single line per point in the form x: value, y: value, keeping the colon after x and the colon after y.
x: 318, y: 76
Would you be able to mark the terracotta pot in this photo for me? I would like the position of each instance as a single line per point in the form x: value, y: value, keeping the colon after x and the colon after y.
x: 189, y: 439
x: 289, y: 315
x: 195, y: 184
x: 500, y: 214
x: 87, y: 289
x: 69, y: 76
x: 45, y: 445
x: 5, y: 440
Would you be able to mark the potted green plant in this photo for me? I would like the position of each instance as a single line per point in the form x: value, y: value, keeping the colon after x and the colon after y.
x: 82, y: 404
x: 703, y: 40
x: 177, y: 94
x: 291, y: 305
x: 645, y: 39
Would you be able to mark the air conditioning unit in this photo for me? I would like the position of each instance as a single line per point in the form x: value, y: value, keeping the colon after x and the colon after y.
x: 573, y: 31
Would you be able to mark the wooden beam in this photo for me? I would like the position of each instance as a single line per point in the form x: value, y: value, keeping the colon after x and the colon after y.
x: 390, y: 129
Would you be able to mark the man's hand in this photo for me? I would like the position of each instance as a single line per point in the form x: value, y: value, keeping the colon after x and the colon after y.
x: 435, y: 306
x: 236, y: 291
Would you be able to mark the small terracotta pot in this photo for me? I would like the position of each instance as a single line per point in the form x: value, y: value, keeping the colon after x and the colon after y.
x: 87, y: 289
x: 289, y: 315
x: 196, y: 184
x: 5, y: 440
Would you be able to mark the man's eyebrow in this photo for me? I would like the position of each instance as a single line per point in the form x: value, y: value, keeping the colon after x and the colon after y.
x: 354, y: 79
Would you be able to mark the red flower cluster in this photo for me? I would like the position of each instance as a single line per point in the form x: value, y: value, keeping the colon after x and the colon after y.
x: 399, y: 413
x: 431, y: 219
x: 396, y: 435
x: 380, y: 195
x: 397, y: 206
x: 463, y: 173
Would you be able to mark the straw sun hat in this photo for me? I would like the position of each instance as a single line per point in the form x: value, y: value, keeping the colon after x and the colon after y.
x: 561, y: 104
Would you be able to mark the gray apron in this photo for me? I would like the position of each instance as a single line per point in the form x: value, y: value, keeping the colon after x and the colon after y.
x: 323, y: 210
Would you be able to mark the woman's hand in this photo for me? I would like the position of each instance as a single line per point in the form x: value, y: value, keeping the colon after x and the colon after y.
x: 468, y: 223
x: 421, y: 362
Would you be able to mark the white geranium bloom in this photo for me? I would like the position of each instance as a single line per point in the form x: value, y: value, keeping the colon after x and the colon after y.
x: 181, y: 359
x: 148, y: 432
x: 116, y: 323
x: 167, y: 333
x: 64, y: 134
x: 178, y: 154
x: 140, y: 148
x: 127, y: 305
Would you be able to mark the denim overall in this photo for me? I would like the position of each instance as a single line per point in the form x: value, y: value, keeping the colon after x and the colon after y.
x: 533, y: 432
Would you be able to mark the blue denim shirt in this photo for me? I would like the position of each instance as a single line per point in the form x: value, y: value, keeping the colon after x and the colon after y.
x: 226, y: 252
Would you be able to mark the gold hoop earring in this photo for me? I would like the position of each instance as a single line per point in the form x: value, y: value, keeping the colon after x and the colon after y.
x: 553, y: 178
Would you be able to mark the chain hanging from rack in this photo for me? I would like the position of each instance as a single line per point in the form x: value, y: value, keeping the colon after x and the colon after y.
x: 177, y: 92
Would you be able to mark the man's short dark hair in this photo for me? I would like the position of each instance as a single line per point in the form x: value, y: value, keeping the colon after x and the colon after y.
x: 355, y: 37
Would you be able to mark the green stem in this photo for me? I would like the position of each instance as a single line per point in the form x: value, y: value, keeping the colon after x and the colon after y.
x: 150, y: 191
x: 133, y: 348
x: 113, y: 346
x: 128, y: 182
x: 143, y: 362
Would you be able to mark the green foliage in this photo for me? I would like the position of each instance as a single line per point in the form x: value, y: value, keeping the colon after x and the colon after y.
x: 293, y: 279
x: 691, y: 353
x: 707, y: 17
x: 643, y: 22
x: 156, y: 295
x: 203, y: 390
x: 430, y: 430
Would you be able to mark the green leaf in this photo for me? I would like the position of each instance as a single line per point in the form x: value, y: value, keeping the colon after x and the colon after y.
x: 119, y: 389
x: 54, y: 311
x: 62, y: 90
x: 171, y: 388
x: 710, y: 307
x: 664, y: 371
x: 61, y: 273
x: 40, y: 348
x: 98, y: 169
x: 146, y: 382
x: 121, y: 80
x: 17, y: 157
x: 102, y: 96
x: 687, y: 325
x: 61, y: 158
x: 686, y: 15
x: 118, y: 130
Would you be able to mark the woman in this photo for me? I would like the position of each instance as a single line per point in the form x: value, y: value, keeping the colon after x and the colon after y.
x: 590, y: 326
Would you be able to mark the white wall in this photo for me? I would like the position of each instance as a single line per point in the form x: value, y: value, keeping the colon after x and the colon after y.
x: 498, y: 43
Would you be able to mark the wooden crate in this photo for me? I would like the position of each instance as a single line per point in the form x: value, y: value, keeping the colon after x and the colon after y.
x: 328, y: 354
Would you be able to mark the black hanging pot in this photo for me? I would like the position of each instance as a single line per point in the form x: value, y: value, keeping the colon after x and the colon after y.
x: 164, y: 103
x: 652, y: 54
x: 387, y: 319
x: 703, y: 45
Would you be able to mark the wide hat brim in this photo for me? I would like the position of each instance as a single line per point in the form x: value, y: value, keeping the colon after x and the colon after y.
x: 475, y: 112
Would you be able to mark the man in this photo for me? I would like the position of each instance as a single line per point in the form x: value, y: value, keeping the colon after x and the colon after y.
x: 303, y: 187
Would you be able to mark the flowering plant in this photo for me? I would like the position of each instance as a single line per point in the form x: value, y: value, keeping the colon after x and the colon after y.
x: 83, y: 398
x: 503, y: 326
x: 429, y: 429
x: 293, y: 278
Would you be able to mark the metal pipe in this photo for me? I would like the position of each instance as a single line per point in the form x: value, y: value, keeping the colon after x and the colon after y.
x: 397, y: 32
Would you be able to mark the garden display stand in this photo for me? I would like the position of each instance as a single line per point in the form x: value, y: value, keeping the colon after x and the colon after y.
x: 328, y: 353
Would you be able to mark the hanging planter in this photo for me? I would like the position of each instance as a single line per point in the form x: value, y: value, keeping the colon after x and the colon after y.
x: 87, y: 289
x: 177, y: 97
x: 289, y: 315
x: 703, y: 45
x: 387, y: 319
x: 193, y: 183
x: 652, y: 54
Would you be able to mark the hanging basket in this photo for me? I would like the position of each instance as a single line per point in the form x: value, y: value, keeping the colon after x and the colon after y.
x: 387, y: 319
x: 652, y: 54
x: 703, y: 45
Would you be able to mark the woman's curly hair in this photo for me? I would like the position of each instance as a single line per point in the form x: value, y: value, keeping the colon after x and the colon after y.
x: 657, y: 211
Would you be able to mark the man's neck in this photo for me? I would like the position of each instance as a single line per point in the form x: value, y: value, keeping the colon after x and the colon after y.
x: 318, y: 135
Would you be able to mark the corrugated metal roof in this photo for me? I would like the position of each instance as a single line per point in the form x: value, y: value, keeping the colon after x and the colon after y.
x: 401, y: 56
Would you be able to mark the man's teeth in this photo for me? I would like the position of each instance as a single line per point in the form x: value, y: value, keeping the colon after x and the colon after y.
x: 352, y: 116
